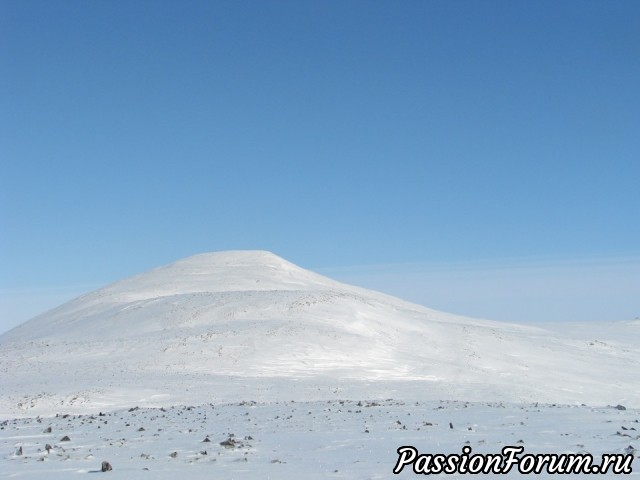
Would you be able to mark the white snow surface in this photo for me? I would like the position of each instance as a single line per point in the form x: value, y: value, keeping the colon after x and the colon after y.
x: 248, y: 325
x: 335, y: 439
x: 311, y: 377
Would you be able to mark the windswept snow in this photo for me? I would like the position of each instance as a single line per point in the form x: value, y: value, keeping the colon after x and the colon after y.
x: 227, y: 326
x: 243, y: 365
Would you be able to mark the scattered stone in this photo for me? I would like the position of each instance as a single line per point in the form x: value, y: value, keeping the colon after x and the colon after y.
x: 106, y: 467
x: 65, y: 439
x: 207, y: 439
x: 19, y: 451
x: 620, y: 407
x: 141, y: 429
x: 48, y: 448
x: 47, y: 430
x: 173, y: 454
x: 451, y: 425
x: 229, y: 442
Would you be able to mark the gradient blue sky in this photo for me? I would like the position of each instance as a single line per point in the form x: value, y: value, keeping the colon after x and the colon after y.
x: 444, y: 137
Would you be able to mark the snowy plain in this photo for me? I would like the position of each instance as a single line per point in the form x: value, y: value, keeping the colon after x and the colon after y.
x: 313, y: 378
x: 322, y: 439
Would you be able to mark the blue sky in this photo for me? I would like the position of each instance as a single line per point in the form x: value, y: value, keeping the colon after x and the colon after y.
x: 339, y: 134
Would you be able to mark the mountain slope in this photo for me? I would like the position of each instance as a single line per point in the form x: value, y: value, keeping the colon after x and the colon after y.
x: 249, y: 325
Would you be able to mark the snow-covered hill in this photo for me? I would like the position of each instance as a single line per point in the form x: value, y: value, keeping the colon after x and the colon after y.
x: 234, y: 326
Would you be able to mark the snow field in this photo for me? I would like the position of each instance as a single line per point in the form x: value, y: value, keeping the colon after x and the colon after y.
x: 287, y: 440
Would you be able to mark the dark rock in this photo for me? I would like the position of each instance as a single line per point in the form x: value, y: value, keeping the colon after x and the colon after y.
x: 65, y: 439
x: 229, y: 442
x: 106, y: 467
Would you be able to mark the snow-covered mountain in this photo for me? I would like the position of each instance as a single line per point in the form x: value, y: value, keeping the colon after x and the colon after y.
x: 248, y: 325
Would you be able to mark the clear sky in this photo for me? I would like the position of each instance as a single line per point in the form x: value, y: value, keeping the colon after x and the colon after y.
x: 346, y: 136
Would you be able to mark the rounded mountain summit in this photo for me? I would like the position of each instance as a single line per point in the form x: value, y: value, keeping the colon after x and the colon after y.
x: 248, y: 325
